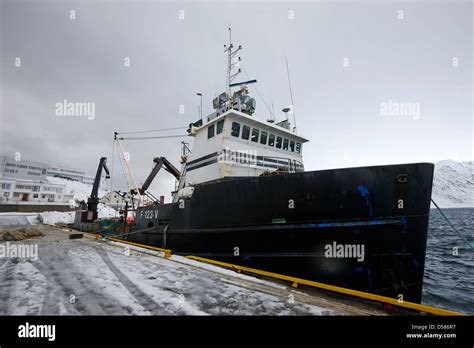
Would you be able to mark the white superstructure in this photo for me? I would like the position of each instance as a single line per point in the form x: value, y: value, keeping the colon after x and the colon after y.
x: 236, y: 144
x: 233, y: 143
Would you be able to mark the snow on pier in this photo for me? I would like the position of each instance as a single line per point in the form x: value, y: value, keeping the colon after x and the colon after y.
x: 92, y: 277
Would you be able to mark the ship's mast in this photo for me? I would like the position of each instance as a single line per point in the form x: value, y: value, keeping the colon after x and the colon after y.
x: 232, y: 63
x: 240, y: 100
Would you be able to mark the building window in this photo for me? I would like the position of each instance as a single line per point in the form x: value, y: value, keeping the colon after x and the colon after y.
x: 220, y: 126
x: 278, y: 143
x: 6, y: 194
x: 35, y: 195
x: 292, y: 146
x: 210, y: 131
x: 6, y: 186
x: 263, y: 138
x: 10, y: 164
x: 245, y: 132
x: 255, y: 133
x: 16, y: 194
x: 298, y: 147
x: 271, y: 140
x: 235, y: 129
x: 285, y: 144
x: 27, y: 187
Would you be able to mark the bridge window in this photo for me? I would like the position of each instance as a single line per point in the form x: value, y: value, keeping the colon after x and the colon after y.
x: 245, y: 132
x: 292, y: 146
x: 285, y: 144
x: 255, y: 135
x: 210, y: 131
x: 278, y: 143
x: 263, y: 138
x: 298, y: 147
x: 235, y: 129
x: 271, y: 140
x: 220, y: 126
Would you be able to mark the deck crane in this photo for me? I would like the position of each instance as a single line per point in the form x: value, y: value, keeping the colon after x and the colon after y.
x: 159, y: 163
x: 93, y: 201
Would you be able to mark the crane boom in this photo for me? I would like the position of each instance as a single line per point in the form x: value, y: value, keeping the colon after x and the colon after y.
x: 93, y: 200
x: 159, y: 163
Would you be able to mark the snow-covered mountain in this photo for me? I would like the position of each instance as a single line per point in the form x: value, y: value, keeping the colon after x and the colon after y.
x: 453, y: 184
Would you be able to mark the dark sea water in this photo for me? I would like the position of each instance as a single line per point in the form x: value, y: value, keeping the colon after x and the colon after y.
x: 449, y: 279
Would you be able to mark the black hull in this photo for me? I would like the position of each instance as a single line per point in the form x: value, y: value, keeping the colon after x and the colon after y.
x: 286, y: 223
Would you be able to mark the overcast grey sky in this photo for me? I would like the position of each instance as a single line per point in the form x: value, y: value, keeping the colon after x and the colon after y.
x: 346, y: 59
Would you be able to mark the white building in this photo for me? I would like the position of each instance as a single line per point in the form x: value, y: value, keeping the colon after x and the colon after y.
x: 22, y: 191
x: 22, y: 170
x: 89, y: 180
x: 71, y: 174
x: 66, y: 173
x: 26, y: 182
x: 39, y: 171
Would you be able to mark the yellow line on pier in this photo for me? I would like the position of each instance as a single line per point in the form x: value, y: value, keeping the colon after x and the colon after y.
x: 295, y: 281
x: 166, y: 251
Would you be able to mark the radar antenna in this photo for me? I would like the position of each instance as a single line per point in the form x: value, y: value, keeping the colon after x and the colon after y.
x: 240, y: 100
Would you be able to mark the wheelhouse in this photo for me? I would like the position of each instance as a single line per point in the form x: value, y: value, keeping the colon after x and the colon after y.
x: 235, y: 144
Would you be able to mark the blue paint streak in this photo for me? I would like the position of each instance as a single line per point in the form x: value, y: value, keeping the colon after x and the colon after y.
x: 364, y: 192
x: 355, y: 223
x: 404, y: 224
x: 369, y: 273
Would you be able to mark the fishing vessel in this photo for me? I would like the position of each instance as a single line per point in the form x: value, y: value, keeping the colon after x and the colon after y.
x: 243, y: 196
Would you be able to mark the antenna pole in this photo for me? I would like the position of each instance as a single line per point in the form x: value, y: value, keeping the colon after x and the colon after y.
x: 230, y: 54
x: 229, y: 62
x: 291, y: 94
x: 200, y: 109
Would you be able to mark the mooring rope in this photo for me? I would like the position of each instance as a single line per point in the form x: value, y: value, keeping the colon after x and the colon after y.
x: 451, y: 224
x: 127, y: 233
